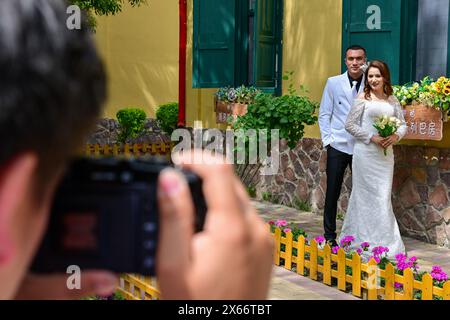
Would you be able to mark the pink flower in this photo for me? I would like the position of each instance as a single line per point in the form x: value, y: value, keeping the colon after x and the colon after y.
x: 437, y: 274
x: 286, y: 230
x: 320, y: 239
x: 335, y: 249
x: 271, y: 222
x: 347, y: 240
x: 281, y: 223
x: 398, y: 285
x: 365, y: 245
x: 377, y: 259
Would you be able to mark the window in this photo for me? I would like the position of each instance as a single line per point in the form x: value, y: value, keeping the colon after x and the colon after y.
x: 432, y: 37
x: 237, y: 43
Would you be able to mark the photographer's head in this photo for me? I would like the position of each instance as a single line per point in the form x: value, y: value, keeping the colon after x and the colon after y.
x: 52, y: 86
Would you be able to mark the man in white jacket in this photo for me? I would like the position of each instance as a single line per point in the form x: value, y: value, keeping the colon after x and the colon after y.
x: 336, y: 103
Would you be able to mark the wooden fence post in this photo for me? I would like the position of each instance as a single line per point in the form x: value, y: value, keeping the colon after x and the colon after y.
x: 447, y: 290
x: 427, y: 287
x: 327, y: 264
x: 356, y: 275
x: 389, y: 279
x: 341, y: 270
x: 288, y: 253
x: 96, y: 149
x: 301, y: 255
x: 276, y: 252
x: 313, y: 259
x: 116, y: 150
x: 408, y: 284
x: 372, y: 280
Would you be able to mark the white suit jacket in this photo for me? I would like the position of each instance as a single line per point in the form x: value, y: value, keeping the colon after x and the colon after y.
x: 336, y: 103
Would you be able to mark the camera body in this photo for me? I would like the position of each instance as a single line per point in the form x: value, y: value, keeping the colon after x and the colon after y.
x: 105, y: 216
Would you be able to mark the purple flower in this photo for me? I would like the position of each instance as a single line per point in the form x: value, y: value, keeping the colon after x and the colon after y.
x: 398, y: 285
x: 359, y: 251
x: 320, y: 239
x: 347, y: 240
x: 413, y: 259
x: 365, y: 245
x: 437, y: 274
x: 281, y: 223
x: 335, y: 249
x: 400, y: 257
x: 436, y: 269
x: 378, y: 251
x: 376, y: 258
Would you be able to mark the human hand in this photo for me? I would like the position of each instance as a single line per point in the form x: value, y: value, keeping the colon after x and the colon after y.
x: 377, y: 140
x: 231, y: 258
x: 388, y: 141
x: 54, y: 287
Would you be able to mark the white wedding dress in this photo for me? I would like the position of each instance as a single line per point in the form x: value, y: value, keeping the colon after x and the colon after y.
x: 369, y: 216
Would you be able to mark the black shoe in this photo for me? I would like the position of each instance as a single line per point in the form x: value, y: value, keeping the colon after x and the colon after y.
x: 332, y: 243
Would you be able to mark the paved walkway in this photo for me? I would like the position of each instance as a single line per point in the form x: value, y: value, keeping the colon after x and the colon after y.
x: 288, y: 285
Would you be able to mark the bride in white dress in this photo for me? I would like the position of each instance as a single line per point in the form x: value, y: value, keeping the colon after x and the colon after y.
x: 369, y: 216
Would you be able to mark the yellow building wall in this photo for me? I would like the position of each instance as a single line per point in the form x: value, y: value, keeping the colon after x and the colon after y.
x: 312, y: 44
x: 140, y: 50
x: 311, y: 48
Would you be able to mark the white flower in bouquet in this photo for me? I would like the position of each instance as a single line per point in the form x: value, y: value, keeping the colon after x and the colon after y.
x: 386, y: 126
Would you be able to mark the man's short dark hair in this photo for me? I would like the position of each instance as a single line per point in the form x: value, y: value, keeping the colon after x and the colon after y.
x: 355, y: 47
x: 52, y: 82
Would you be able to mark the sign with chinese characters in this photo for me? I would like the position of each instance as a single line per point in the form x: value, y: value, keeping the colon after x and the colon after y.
x: 424, y: 123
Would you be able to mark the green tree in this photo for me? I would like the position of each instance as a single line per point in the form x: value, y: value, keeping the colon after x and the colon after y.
x: 104, y: 7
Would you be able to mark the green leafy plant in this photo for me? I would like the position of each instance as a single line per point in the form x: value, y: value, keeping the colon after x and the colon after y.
x: 103, y: 7
x: 251, y: 191
x: 301, y: 205
x: 266, y: 196
x: 132, y: 122
x: 289, y: 113
x: 241, y: 94
x: 428, y: 92
x: 167, y: 116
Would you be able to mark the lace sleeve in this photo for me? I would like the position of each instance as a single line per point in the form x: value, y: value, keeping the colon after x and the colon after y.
x: 398, y: 111
x: 353, y: 123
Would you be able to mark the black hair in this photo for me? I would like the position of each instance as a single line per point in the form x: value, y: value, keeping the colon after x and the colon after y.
x: 356, y: 47
x: 52, y: 82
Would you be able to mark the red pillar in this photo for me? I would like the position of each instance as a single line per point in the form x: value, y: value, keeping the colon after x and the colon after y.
x: 182, y: 64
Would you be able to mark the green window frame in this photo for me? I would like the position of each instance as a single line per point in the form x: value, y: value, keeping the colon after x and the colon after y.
x: 227, y: 53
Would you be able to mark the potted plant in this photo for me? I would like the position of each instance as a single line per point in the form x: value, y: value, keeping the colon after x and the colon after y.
x: 233, y: 102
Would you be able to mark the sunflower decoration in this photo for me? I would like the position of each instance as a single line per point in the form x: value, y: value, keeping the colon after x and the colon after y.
x: 446, y: 90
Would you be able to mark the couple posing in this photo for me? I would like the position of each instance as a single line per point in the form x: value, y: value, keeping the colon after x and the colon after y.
x: 350, y: 104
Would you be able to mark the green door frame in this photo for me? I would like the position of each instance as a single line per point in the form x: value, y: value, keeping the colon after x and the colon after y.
x: 407, y: 34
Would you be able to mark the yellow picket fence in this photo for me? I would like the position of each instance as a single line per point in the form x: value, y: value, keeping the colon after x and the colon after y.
x: 365, y: 276
x: 137, y: 287
x: 163, y: 149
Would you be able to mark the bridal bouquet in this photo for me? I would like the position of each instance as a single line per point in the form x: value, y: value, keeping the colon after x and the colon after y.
x: 386, y: 126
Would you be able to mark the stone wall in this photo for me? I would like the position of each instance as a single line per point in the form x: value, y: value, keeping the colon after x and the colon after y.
x: 421, y: 186
x: 106, y: 132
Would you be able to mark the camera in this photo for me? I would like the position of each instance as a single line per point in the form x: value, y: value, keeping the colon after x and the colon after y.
x: 105, y: 216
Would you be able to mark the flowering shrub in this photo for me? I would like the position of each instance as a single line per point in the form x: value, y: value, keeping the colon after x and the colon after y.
x: 242, y: 94
x: 428, y: 92
x: 286, y: 228
x: 379, y: 254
